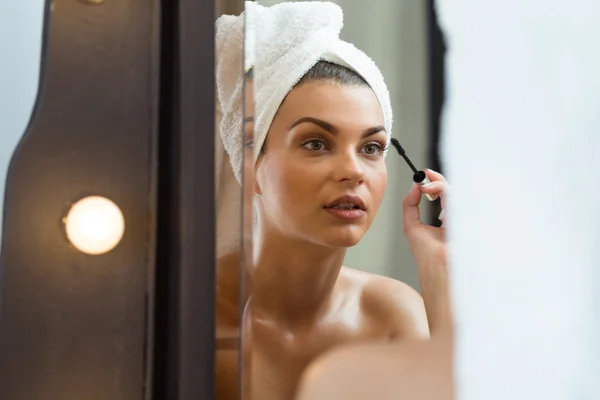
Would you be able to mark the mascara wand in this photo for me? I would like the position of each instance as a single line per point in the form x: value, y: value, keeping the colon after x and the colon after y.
x: 419, y: 177
x: 401, y: 151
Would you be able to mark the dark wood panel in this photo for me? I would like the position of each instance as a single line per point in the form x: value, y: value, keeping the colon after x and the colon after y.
x: 72, y: 325
x: 437, y: 93
x: 184, y: 347
x: 197, y: 125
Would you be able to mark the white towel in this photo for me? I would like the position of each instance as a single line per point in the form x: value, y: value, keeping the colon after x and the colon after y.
x: 229, y: 32
x: 289, y: 39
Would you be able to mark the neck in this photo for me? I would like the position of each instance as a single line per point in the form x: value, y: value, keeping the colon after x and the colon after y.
x: 293, y: 280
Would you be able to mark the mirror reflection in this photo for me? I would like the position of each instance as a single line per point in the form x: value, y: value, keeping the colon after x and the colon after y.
x: 232, y: 100
x: 21, y: 31
x: 248, y: 182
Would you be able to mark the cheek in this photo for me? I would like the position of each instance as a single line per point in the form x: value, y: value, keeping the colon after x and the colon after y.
x: 288, y: 184
x: 378, y: 183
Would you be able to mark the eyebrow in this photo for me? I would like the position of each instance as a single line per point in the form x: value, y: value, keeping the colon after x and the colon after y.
x: 332, y: 129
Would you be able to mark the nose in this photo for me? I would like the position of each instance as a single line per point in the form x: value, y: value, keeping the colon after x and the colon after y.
x: 349, y: 168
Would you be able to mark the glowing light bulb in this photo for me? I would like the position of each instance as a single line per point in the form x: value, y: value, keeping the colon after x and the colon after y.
x: 95, y: 225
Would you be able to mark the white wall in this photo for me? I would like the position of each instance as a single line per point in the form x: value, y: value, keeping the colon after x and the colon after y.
x: 20, y: 50
x: 522, y: 120
x: 394, y: 34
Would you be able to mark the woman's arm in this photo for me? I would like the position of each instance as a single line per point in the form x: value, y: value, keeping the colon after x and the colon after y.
x: 428, y: 245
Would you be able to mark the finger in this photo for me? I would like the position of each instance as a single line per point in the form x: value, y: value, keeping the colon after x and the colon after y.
x: 435, y: 176
x: 410, y: 207
x: 442, y: 216
x: 435, y: 187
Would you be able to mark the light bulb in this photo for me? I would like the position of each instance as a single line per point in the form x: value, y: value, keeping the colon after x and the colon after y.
x: 94, y: 225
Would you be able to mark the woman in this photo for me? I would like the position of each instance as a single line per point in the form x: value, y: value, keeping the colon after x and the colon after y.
x: 316, y: 162
x: 319, y: 180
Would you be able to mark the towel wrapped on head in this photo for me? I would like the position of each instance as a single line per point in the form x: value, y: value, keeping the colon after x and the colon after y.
x: 284, y: 42
x: 281, y: 44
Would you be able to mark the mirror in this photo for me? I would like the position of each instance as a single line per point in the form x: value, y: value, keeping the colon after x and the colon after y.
x: 247, y: 198
x: 232, y: 100
x: 315, y: 101
x: 331, y: 263
x: 21, y: 33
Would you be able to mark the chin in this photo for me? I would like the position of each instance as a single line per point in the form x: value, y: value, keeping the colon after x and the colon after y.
x: 343, y: 237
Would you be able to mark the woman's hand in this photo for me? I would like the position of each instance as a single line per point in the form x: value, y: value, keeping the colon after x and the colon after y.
x: 428, y: 246
x: 427, y: 243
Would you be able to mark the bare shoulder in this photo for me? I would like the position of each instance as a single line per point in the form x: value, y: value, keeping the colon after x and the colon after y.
x: 382, y: 291
x: 403, y: 370
x: 229, y: 260
x: 391, y: 302
x: 228, y: 290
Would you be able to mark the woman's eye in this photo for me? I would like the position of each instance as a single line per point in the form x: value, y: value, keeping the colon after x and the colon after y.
x: 315, y: 145
x: 372, y: 149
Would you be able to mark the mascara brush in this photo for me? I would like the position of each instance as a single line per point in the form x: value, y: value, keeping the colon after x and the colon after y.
x: 419, y: 177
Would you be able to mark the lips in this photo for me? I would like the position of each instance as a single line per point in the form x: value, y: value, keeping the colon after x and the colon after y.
x: 348, y: 208
x: 347, y: 202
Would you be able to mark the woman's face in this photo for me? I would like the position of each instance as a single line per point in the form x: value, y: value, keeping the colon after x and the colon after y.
x: 322, y: 175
